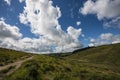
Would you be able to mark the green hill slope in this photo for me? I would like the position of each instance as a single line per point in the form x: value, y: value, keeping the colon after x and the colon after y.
x: 8, y: 56
x: 108, y: 54
x: 99, y: 63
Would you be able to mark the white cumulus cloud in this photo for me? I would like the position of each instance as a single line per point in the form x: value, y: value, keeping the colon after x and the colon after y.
x: 21, y: 1
x: 104, y: 10
x: 78, y: 23
x: 74, y: 33
x: 115, y: 23
x: 8, y: 1
x: 2, y: 19
x: 42, y: 18
x: 105, y: 38
x: 9, y: 31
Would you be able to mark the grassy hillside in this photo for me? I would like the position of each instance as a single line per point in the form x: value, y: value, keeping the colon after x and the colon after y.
x: 107, y: 54
x: 9, y: 56
x: 100, y: 63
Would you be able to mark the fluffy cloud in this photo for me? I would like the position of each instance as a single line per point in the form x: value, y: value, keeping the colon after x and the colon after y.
x: 78, y: 23
x: 2, y: 19
x: 74, y: 33
x: 8, y: 1
x: 110, y: 38
x: 26, y: 44
x: 21, y: 1
x: 9, y: 35
x: 8, y: 31
x: 115, y: 23
x: 42, y: 44
x: 105, y: 10
x: 42, y: 17
x: 106, y: 38
x: 102, y: 8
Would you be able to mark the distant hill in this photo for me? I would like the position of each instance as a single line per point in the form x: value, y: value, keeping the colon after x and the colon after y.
x: 82, y: 49
x: 109, y: 54
x: 97, y: 63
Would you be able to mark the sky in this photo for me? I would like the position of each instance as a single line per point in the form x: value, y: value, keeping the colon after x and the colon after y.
x: 47, y: 26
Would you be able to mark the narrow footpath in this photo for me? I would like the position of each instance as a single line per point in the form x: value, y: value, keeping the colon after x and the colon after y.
x: 16, y: 65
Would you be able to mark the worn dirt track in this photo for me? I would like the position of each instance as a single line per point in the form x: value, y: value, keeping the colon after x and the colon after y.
x: 17, y: 64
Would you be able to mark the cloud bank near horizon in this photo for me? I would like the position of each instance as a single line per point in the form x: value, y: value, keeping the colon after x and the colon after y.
x: 47, y: 33
x: 42, y: 18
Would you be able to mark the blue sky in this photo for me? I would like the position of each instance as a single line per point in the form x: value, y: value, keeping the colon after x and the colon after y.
x: 58, y: 25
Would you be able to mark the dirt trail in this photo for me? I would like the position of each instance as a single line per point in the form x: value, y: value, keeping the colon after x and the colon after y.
x: 17, y: 64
